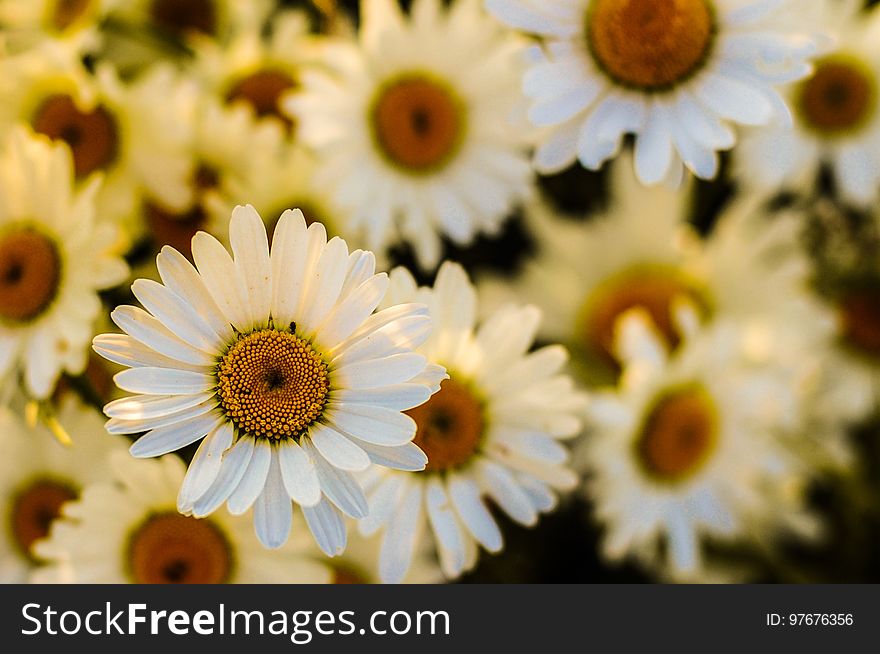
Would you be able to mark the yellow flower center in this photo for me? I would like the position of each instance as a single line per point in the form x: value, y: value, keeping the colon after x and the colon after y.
x: 650, y: 44
x: 91, y: 135
x: 839, y: 97
x: 859, y: 315
x: 262, y: 90
x: 169, y: 548
x: 65, y: 13
x: 450, y: 426
x: 417, y: 123
x: 653, y: 288
x: 34, y: 509
x: 272, y: 384
x: 678, y: 435
x: 30, y: 274
x: 180, y: 17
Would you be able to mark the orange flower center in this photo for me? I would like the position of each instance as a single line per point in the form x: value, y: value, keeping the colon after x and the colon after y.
x: 840, y: 96
x: 91, y: 135
x: 417, y: 123
x: 272, y: 384
x: 653, y: 288
x: 169, y: 548
x: 66, y: 12
x: 180, y: 17
x: 30, y: 273
x: 34, y: 510
x: 262, y: 90
x: 344, y: 575
x: 650, y: 44
x: 449, y: 426
x: 678, y: 435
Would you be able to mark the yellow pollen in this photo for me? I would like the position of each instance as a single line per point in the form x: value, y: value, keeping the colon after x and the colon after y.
x: 169, y: 548
x: 181, y: 17
x: 272, y: 384
x: 417, y: 123
x: 91, y: 135
x: 262, y: 90
x: 650, y: 44
x: 839, y: 97
x: 34, y: 509
x: 678, y: 435
x: 30, y: 273
x: 449, y: 426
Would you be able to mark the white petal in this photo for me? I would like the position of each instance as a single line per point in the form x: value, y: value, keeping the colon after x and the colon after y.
x: 139, y: 407
x: 273, y: 512
x: 168, y: 439
x: 351, y: 313
x: 372, y: 424
x: 444, y: 524
x: 374, y: 373
x: 383, y: 503
x: 288, y: 261
x: 473, y: 513
x: 152, y: 333
x: 407, y: 457
x: 327, y: 526
x: 253, y: 480
x: 232, y: 467
x: 399, y: 397
x: 337, y: 449
x: 250, y: 246
x: 177, y: 315
x: 126, y: 351
x: 299, y: 474
x: 399, y: 541
x: 140, y: 425
x: 222, y: 280
x: 338, y: 485
x: 164, y: 381
x: 324, y: 285
x: 501, y: 486
x: 204, y: 467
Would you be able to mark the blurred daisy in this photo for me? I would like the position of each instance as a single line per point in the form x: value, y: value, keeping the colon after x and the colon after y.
x: 126, y: 529
x: 687, y: 451
x: 134, y: 134
x: 76, y: 22
x: 184, y: 19
x: 676, y: 73
x: 38, y: 475
x: 836, y: 116
x: 492, y: 430
x: 254, y: 70
x: 276, y: 358
x: 54, y: 258
x: 412, y: 125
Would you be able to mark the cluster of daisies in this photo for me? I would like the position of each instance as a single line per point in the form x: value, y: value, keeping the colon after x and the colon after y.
x: 263, y: 317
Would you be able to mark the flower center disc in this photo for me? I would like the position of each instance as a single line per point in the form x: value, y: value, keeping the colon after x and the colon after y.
x: 344, y: 575
x: 860, y: 320
x: 449, y: 426
x: 182, y: 16
x: 418, y: 124
x: 840, y: 96
x: 678, y: 435
x: 262, y: 90
x: 66, y: 12
x: 169, y: 548
x: 30, y: 272
x: 35, y: 509
x: 92, y: 135
x: 178, y: 229
x: 652, y: 288
x: 272, y: 384
x: 650, y: 44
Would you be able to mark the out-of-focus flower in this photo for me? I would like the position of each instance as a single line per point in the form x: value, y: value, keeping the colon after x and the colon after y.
x: 54, y: 258
x: 185, y: 19
x: 687, y: 450
x: 413, y: 125
x: 836, y: 117
x: 76, y: 22
x: 492, y: 430
x: 38, y: 475
x: 126, y: 529
x: 676, y: 73
x: 276, y: 358
x: 134, y: 134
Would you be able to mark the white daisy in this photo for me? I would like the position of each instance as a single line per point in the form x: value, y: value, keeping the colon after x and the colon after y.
x: 492, y: 430
x: 412, y: 124
x: 276, y: 358
x: 687, y: 451
x: 75, y: 22
x: 676, y: 73
x: 126, y: 529
x: 38, y: 475
x: 54, y: 258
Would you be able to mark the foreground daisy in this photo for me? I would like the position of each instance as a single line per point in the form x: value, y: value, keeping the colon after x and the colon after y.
x: 687, y: 451
x: 38, y: 475
x: 836, y: 117
x: 126, y: 529
x: 492, y: 430
x: 413, y: 125
x: 676, y: 73
x: 274, y: 362
x: 54, y: 258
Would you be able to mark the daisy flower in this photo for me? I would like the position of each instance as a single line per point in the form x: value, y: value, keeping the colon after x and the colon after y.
x: 274, y: 362
x: 54, y: 258
x: 126, y: 529
x: 676, y: 73
x: 493, y: 430
x: 134, y: 134
x: 76, y: 23
x: 686, y: 451
x: 836, y: 117
x: 38, y: 475
x: 184, y: 19
x: 413, y: 125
